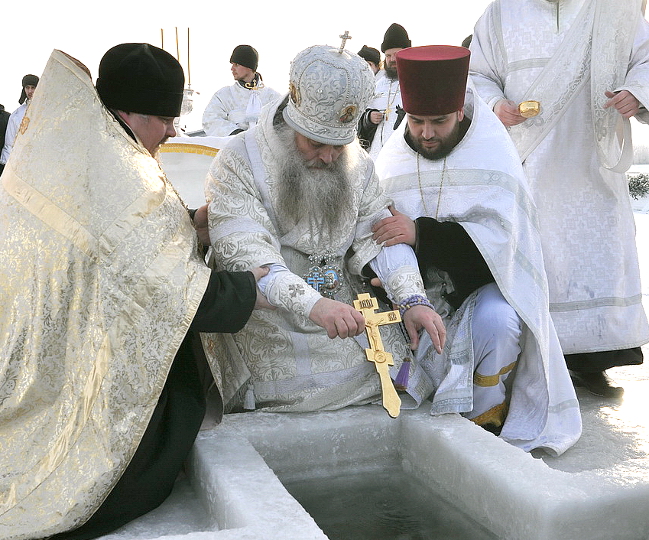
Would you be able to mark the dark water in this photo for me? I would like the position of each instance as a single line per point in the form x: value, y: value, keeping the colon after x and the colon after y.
x: 383, y: 506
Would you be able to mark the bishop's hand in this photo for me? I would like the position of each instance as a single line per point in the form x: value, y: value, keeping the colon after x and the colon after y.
x: 421, y: 317
x: 417, y: 318
x: 338, y: 319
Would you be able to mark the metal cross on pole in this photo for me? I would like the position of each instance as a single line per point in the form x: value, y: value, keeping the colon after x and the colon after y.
x: 381, y: 358
x: 344, y: 37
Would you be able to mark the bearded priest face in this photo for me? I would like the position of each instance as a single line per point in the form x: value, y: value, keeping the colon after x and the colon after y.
x: 434, y: 137
x: 316, y: 154
x: 390, y: 64
x: 314, y: 181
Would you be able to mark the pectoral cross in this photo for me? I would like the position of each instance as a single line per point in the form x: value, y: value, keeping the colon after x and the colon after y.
x: 315, y: 279
x: 344, y: 37
x: 381, y: 358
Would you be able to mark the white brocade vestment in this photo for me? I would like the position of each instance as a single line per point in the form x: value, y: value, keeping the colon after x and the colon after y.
x: 235, y: 107
x: 287, y: 360
x: 586, y: 219
x: 484, y: 190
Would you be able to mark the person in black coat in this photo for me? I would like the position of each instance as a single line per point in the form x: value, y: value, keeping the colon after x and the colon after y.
x: 4, y: 118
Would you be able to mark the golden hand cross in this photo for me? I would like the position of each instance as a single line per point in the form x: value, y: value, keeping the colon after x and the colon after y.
x: 381, y: 358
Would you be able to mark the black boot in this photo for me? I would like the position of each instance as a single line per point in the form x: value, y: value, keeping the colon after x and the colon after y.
x: 597, y: 383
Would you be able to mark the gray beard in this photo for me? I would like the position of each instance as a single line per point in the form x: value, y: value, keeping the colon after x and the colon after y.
x: 321, y: 196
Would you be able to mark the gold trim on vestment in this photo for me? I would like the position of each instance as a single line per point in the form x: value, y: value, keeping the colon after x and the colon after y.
x: 186, y: 148
x: 492, y: 380
x: 495, y: 416
x: 39, y: 205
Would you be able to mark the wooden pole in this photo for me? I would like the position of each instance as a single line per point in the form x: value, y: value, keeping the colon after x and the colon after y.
x: 177, y: 47
x: 189, y: 73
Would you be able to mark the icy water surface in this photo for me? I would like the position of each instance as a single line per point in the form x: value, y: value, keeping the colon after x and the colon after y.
x: 385, y: 505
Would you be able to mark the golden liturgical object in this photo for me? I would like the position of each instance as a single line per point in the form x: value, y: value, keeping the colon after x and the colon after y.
x: 381, y: 358
x: 528, y: 109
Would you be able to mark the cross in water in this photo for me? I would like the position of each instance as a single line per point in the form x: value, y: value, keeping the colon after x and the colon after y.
x: 344, y: 37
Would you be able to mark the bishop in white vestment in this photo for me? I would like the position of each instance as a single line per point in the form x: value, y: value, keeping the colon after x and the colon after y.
x: 586, y: 63
x: 316, y: 238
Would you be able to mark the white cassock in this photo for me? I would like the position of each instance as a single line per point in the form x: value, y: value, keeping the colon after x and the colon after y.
x: 386, y: 98
x: 13, y: 124
x: 281, y: 360
x: 525, y: 50
x: 235, y: 107
x: 484, y: 190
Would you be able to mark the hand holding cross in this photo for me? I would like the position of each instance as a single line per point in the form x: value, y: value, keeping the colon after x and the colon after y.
x: 381, y: 358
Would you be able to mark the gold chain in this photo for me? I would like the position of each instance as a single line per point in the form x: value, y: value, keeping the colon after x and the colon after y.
x: 388, y: 109
x: 421, y: 191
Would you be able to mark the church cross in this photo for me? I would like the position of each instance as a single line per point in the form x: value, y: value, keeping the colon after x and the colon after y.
x: 344, y: 37
x: 381, y: 358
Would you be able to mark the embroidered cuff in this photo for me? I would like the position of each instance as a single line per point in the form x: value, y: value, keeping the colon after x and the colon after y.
x: 284, y: 289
